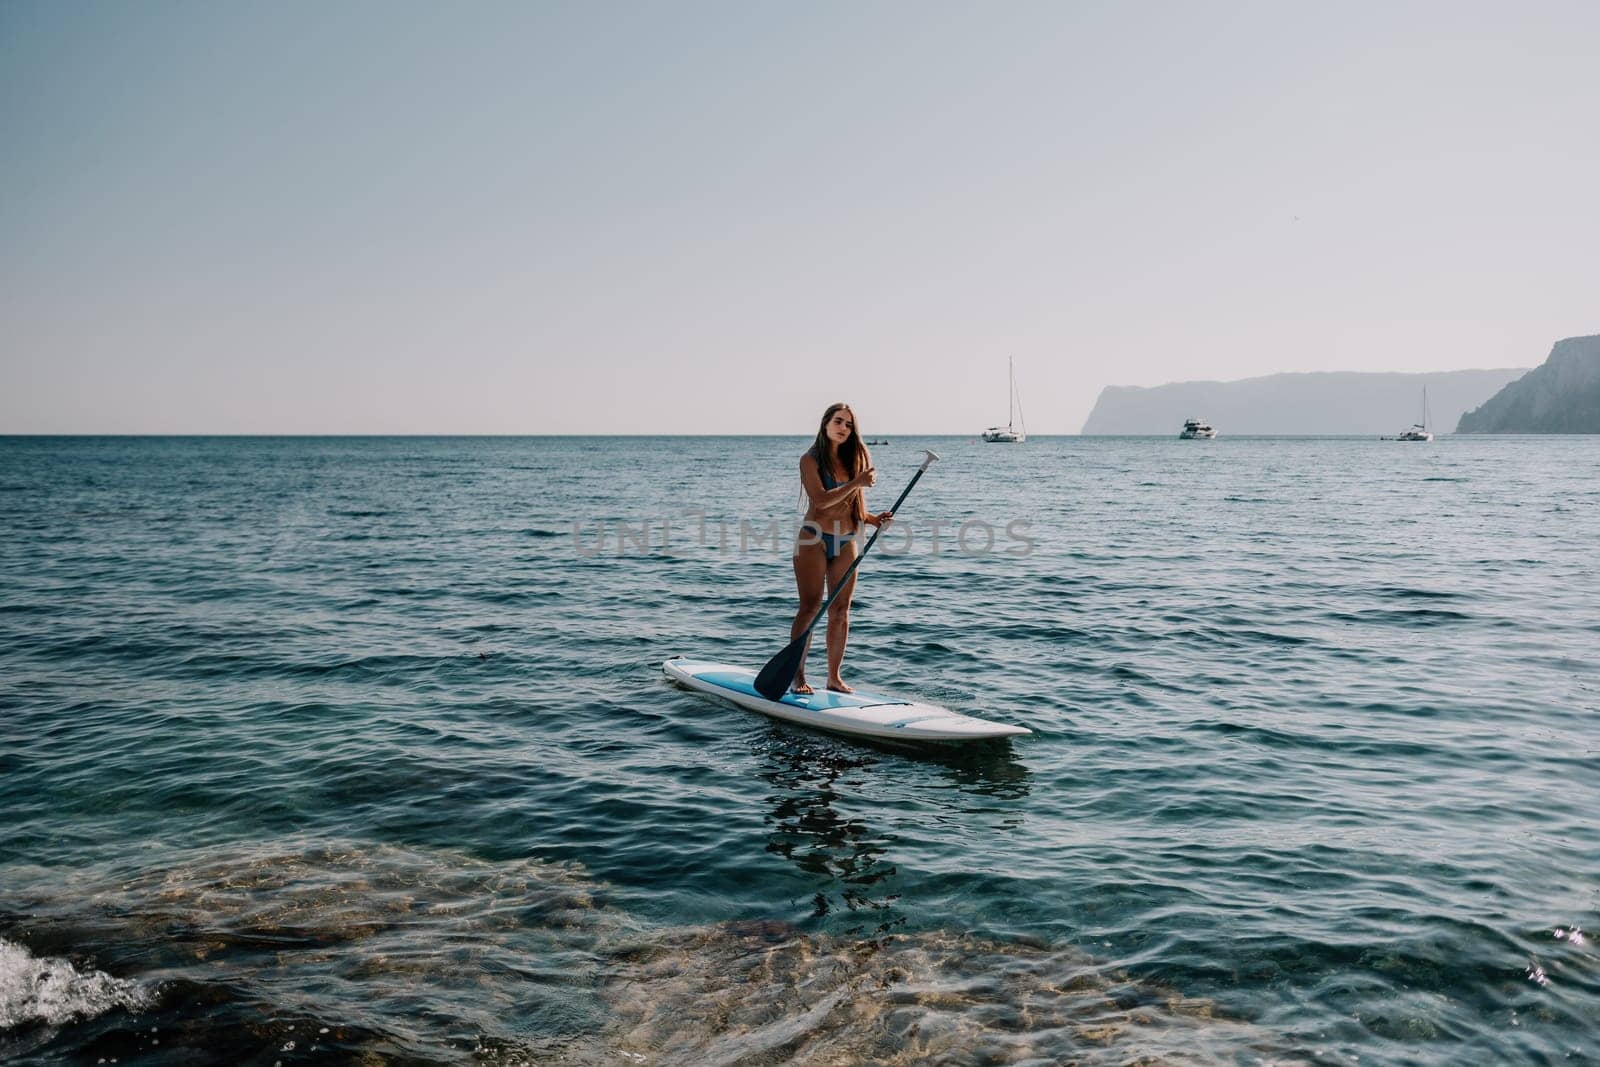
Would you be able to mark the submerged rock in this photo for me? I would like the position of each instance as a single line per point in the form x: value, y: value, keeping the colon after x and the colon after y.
x: 733, y: 994
x: 380, y: 954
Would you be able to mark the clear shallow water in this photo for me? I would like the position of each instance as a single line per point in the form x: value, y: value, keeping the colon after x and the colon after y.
x: 313, y: 749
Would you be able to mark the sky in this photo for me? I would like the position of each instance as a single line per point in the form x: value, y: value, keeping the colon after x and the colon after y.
x: 552, y: 218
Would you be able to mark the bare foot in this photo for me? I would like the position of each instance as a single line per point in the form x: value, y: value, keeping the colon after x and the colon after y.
x: 838, y: 686
x: 801, y: 687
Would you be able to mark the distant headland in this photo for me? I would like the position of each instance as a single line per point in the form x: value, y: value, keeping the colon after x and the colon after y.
x: 1561, y: 396
x: 1319, y: 403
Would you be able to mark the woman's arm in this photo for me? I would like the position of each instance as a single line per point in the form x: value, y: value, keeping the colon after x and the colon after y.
x: 821, y: 498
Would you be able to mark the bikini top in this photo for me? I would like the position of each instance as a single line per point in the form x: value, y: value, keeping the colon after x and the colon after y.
x: 828, y: 480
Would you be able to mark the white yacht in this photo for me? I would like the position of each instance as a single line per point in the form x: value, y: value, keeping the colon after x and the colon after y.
x: 1194, y: 430
x: 1419, y: 430
x: 1009, y: 434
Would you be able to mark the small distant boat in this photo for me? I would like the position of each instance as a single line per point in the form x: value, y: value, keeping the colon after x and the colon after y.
x: 877, y: 442
x: 1195, y: 430
x: 1009, y: 434
x: 1419, y: 430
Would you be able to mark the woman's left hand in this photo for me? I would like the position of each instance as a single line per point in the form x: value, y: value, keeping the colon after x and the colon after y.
x: 884, y: 518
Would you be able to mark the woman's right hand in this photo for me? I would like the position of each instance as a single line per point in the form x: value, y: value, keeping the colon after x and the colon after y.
x: 867, y: 478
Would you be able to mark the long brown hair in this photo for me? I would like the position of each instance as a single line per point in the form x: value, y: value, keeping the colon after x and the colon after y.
x: 853, y: 455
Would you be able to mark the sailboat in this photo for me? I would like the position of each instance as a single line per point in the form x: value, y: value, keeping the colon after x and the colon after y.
x: 1419, y: 430
x: 1009, y: 434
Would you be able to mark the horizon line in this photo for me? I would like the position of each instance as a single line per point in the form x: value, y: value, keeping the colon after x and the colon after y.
x: 706, y: 436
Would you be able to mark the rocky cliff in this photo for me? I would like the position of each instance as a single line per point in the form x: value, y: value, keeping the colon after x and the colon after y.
x: 1561, y: 396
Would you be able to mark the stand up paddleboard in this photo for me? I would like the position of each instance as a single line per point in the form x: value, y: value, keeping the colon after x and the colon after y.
x: 860, y: 713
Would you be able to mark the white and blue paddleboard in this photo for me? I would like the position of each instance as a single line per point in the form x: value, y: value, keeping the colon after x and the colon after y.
x: 860, y: 713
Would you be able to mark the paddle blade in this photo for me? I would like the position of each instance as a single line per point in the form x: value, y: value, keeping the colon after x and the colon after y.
x: 776, y: 677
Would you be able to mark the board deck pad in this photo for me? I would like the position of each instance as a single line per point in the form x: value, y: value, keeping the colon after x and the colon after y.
x: 744, y: 682
x: 862, y: 713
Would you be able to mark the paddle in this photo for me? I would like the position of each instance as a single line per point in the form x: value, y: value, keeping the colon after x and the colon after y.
x: 776, y: 677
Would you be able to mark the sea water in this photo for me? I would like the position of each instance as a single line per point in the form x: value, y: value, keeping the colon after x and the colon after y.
x: 358, y: 750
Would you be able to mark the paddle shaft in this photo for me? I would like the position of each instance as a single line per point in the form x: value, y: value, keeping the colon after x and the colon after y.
x: 845, y: 579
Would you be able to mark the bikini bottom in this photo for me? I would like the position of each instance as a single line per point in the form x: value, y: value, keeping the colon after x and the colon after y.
x: 832, y: 544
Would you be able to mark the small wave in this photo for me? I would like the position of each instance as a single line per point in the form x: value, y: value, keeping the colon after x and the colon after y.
x: 1268, y: 637
x: 1055, y: 635
x: 535, y: 532
x: 1413, y: 617
x: 1404, y: 592
x: 52, y: 991
x: 1261, y: 735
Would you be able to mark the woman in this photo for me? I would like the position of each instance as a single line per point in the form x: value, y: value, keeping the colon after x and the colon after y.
x: 834, y: 472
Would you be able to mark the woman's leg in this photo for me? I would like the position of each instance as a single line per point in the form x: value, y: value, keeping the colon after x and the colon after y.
x: 810, y: 568
x: 839, y: 614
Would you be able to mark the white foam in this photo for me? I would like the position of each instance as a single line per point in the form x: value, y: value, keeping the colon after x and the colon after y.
x: 53, y: 991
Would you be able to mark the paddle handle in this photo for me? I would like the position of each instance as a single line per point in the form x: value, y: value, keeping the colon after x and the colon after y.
x: 929, y: 456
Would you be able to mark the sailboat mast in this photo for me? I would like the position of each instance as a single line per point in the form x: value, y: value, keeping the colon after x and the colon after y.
x: 1011, y: 389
